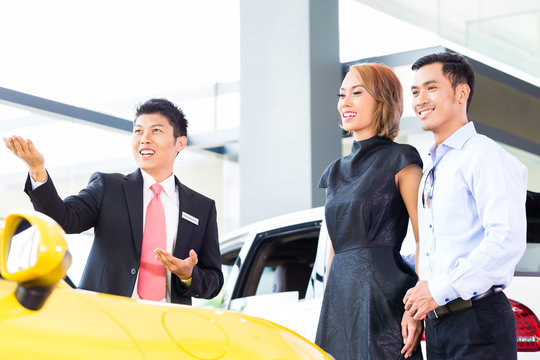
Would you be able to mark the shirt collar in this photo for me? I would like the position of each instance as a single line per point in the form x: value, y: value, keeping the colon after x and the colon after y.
x: 169, y: 185
x: 460, y: 136
x: 455, y: 141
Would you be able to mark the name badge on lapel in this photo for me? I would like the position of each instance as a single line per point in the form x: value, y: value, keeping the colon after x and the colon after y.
x: 190, y: 218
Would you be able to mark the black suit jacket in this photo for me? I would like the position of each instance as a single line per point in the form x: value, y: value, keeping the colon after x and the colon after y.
x: 113, y: 205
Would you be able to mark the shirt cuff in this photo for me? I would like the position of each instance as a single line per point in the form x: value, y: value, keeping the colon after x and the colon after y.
x: 441, y: 291
x: 36, y: 184
x: 186, y: 282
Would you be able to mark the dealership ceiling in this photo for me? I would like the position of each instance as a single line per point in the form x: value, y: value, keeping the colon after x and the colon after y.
x: 507, y: 31
x: 38, y: 103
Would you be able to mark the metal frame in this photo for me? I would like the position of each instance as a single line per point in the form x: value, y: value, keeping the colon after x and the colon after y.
x: 57, y: 109
x: 225, y: 142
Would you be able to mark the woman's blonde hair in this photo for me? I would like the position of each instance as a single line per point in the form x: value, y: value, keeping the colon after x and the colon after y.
x: 384, y: 86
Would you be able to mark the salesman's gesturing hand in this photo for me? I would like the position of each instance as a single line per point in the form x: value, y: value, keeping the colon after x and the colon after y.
x: 26, y: 151
x: 181, y: 268
x: 418, y: 301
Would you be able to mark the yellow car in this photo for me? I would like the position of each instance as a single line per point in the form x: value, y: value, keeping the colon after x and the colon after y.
x: 41, y: 317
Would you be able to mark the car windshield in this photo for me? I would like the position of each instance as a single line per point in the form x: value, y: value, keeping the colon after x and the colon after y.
x: 529, y: 264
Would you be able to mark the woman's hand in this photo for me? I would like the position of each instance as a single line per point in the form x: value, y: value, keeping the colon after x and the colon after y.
x: 411, y: 330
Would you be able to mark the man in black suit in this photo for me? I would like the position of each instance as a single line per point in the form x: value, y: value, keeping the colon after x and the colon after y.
x: 115, y: 204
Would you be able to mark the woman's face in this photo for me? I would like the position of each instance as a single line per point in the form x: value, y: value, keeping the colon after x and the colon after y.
x: 356, y: 107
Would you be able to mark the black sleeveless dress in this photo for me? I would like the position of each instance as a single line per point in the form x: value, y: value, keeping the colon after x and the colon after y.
x: 367, y: 221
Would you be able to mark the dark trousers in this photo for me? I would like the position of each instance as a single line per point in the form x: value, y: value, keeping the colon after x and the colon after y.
x: 487, y: 331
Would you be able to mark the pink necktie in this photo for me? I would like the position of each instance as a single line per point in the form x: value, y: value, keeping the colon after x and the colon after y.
x: 152, y: 273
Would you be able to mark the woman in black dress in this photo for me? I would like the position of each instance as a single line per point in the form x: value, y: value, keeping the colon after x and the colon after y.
x: 371, y: 193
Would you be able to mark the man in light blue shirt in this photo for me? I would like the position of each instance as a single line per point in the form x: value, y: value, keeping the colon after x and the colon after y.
x: 471, y: 219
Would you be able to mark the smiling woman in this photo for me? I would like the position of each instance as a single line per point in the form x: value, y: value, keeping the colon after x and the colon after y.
x: 356, y: 106
x: 370, y: 196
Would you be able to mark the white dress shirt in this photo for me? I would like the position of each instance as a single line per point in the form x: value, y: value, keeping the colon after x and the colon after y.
x: 171, y: 205
x: 473, y: 229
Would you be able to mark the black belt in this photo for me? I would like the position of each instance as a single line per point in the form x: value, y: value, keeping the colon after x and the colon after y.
x: 460, y: 304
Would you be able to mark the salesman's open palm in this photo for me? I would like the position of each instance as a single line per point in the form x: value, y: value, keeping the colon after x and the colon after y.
x: 182, y: 268
x: 25, y: 150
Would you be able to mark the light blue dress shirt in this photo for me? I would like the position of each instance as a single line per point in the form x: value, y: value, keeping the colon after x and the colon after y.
x: 473, y: 228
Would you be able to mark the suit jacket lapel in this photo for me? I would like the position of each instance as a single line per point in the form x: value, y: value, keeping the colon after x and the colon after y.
x: 133, y: 192
x: 185, y: 227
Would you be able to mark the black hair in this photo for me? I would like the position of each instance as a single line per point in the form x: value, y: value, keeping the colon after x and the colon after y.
x: 164, y: 107
x: 454, y: 66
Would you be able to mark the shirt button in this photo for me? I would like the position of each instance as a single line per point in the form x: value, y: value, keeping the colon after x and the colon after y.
x: 133, y: 271
x: 427, y: 254
x: 430, y: 226
x: 446, y: 300
x: 475, y: 293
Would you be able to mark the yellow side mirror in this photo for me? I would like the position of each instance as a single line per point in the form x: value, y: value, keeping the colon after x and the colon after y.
x: 33, y: 252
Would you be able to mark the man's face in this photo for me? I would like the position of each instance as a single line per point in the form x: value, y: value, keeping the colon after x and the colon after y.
x: 154, y: 145
x: 434, y: 99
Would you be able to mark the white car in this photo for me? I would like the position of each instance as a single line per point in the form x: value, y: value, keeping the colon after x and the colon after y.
x: 275, y: 270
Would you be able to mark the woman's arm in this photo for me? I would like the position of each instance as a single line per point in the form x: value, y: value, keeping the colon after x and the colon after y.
x: 408, y: 181
x: 329, y: 262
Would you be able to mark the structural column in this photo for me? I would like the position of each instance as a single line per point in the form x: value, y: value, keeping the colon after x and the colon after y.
x: 290, y: 75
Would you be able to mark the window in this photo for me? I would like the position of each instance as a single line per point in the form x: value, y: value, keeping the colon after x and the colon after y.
x: 279, y: 261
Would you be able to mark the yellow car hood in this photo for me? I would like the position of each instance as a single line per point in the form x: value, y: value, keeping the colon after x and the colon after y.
x: 78, y: 324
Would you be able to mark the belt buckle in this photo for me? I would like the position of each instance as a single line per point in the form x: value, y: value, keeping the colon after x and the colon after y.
x: 433, y: 314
